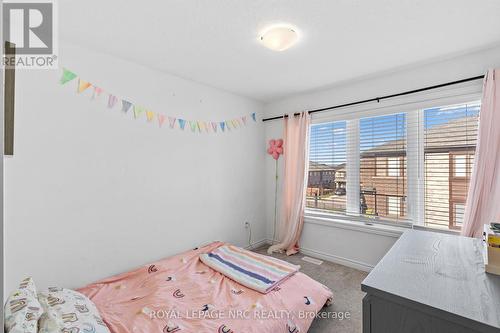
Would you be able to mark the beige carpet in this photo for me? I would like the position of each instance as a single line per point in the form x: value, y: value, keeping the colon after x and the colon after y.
x: 345, y: 283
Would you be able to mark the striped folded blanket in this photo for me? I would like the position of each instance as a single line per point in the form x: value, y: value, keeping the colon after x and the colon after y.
x: 255, y: 271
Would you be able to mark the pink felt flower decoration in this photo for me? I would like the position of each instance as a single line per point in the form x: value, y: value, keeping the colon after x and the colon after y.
x: 275, y: 148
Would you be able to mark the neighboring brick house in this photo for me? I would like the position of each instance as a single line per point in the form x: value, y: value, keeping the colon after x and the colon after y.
x: 449, y: 152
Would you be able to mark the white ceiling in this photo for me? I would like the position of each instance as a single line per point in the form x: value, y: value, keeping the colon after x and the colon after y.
x: 215, y: 41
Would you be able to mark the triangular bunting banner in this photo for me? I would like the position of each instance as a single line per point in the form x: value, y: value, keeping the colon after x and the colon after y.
x: 82, y: 85
x: 194, y: 125
x: 161, y: 119
x: 137, y: 111
x: 150, y: 115
x: 171, y: 120
x: 126, y: 105
x: 67, y: 76
x: 182, y: 123
x: 112, y: 101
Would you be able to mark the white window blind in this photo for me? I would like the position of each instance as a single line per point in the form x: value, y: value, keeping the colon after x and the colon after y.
x: 382, y: 170
x: 326, y: 187
x: 450, y: 135
x: 404, y: 167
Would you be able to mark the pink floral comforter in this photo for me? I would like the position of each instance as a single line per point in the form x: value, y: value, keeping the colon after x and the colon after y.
x: 181, y: 294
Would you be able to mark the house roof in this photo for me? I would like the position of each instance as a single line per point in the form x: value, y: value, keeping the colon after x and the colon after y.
x: 445, y: 137
x: 315, y: 166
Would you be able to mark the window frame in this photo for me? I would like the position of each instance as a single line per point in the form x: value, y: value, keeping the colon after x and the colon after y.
x: 414, y: 108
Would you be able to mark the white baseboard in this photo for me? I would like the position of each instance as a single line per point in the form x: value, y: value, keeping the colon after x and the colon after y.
x: 321, y: 255
x: 337, y: 259
x: 256, y: 245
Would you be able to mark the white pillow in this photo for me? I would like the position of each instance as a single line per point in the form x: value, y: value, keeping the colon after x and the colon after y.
x: 22, y: 309
x: 66, y: 310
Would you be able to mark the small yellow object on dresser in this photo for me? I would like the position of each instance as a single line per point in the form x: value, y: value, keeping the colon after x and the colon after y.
x: 491, y: 250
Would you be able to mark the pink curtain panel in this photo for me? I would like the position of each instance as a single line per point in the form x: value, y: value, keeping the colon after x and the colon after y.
x: 483, y: 198
x: 296, y: 143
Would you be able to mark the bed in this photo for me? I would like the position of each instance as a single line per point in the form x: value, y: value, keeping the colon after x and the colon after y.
x: 182, y: 294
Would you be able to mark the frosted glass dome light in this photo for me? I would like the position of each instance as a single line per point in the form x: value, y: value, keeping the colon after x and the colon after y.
x: 279, y: 38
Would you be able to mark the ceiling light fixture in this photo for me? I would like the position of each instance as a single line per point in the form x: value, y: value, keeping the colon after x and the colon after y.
x: 279, y: 37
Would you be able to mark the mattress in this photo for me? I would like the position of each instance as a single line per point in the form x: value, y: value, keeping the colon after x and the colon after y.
x: 182, y: 294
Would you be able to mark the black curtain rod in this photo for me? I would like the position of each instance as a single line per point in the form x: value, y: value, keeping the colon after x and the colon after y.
x: 378, y: 99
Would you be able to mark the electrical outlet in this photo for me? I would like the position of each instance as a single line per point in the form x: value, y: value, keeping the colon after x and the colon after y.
x: 247, y: 225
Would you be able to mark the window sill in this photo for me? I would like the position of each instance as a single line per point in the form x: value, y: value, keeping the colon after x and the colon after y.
x: 353, y: 223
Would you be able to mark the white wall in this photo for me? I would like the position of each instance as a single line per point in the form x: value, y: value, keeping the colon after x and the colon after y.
x: 342, y: 244
x: 92, y: 192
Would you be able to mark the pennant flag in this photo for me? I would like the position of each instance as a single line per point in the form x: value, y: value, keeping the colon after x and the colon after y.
x: 244, y: 119
x: 222, y: 125
x: 66, y: 76
x: 150, y: 115
x: 171, y: 120
x: 201, y: 125
x: 254, y: 117
x: 235, y: 123
x: 112, y: 101
x: 138, y: 110
x: 182, y: 123
x: 214, y: 127
x: 206, y: 126
x: 126, y: 105
x: 161, y: 119
x: 82, y: 85
x: 227, y: 125
x: 193, y: 125
x: 97, y: 92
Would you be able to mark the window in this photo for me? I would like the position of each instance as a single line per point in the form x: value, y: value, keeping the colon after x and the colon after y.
x: 393, y: 206
x: 382, y: 142
x: 459, y: 165
x: 450, y: 135
x: 393, y: 168
x: 406, y: 167
x: 458, y: 214
x: 327, y: 167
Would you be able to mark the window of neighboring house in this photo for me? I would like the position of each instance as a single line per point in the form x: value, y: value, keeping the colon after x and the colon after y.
x: 393, y: 168
x: 393, y: 206
x: 458, y: 214
x: 327, y: 156
x: 459, y: 165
